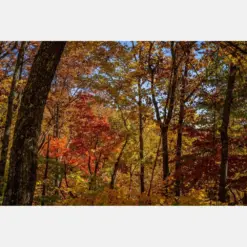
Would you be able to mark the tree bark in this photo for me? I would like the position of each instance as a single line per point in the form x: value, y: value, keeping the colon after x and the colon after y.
x: 167, y: 117
x: 154, y: 166
x: 142, y: 185
x: 46, y: 172
x: 116, y: 165
x: 58, y: 177
x: 66, y: 180
x: 141, y: 143
x: 23, y: 158
x: 9, y: 116
x: 180, y: 131
x: 224, y: 134
x: 164, y: 125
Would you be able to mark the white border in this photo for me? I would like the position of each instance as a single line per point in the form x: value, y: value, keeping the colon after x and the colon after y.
x: 123, y: 20
x: 123, y: 226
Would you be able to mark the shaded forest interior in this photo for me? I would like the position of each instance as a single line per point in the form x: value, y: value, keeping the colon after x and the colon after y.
x: 123, y: 123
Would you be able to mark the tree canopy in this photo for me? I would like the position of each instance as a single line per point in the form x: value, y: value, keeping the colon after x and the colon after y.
x: 123, y: 123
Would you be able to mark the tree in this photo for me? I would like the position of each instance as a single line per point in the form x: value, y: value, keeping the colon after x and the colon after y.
x: 46, y: 172
x: 125, y: 123
x: 223, y: 132
x: 180, y: 126
x: 23, y: 157
x: 138, y: 60
x: 164, y: 121
x: 8, y: 122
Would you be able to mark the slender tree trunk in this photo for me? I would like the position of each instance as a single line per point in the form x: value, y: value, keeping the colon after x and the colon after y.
x: 46, y: 172
x: 9, y: 116
x: 224, y: 134
x: 66, y: 180
x: 89, y: 165
x: 163, y: 131
x: 214, y: 129
x: 164, y: 138
x: 116, y: 165
x: 131, y: 179
x: 180, y: 131
x: 142, y: 187
x: 56, y: 126
x: 58, y: 177
x: 93, y: 181
x: 154, y: 166
x: 141, y: 143
x: 130, y: 184
x: 168, y: 113
x: 245, y: 199
x: 164, y: 126
x: 167, y: 117
x: 165, y: 155
x: 23, y: 157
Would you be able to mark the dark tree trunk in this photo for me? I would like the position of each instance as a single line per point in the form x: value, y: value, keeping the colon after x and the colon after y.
x: 9, y: 116
x: 165, y: 155
x: 23, y: 157
x: 141, y: 143
x: 163, y: 132
x: 131, y: 179
x: 245, y: 199
x: 141, y: 155
x: 58, y: 177
x: 116, y: 165
x: 56, y: 125
x: 93, y: 181
x: 46, y: 172
x: 224, y: 134
x: 89, y: 165
x: 66, y: 180
x: 164, y: 126
x: 214, y: 129
x: 180, y: 131
x: 169, y: 112
x: 153, y: 169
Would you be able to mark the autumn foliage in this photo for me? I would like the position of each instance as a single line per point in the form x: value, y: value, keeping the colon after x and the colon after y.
x: 136, y: 123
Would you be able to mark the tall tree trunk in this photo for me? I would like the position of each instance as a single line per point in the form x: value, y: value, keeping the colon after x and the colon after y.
x: 46, y: 172
x: 58, y: 177
x: 154, y: 166
x: 141, y: 143
x: 214, y: 128
x: 116, y: 165
x: 165, y: 155
x: 89, y: 165
x: 163, y: 125
x: 180, y: 131
x: 9, y: 116
x: 23, y: 157
x: 169, y: 112
x: 224, y: 134
x: 142, y: 185
x: 93, y: 181
x: 66, y: 181
x: 163, y: 131
x: 131, y: 179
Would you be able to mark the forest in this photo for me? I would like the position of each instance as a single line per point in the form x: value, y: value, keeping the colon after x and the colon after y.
x: 123, y: 123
